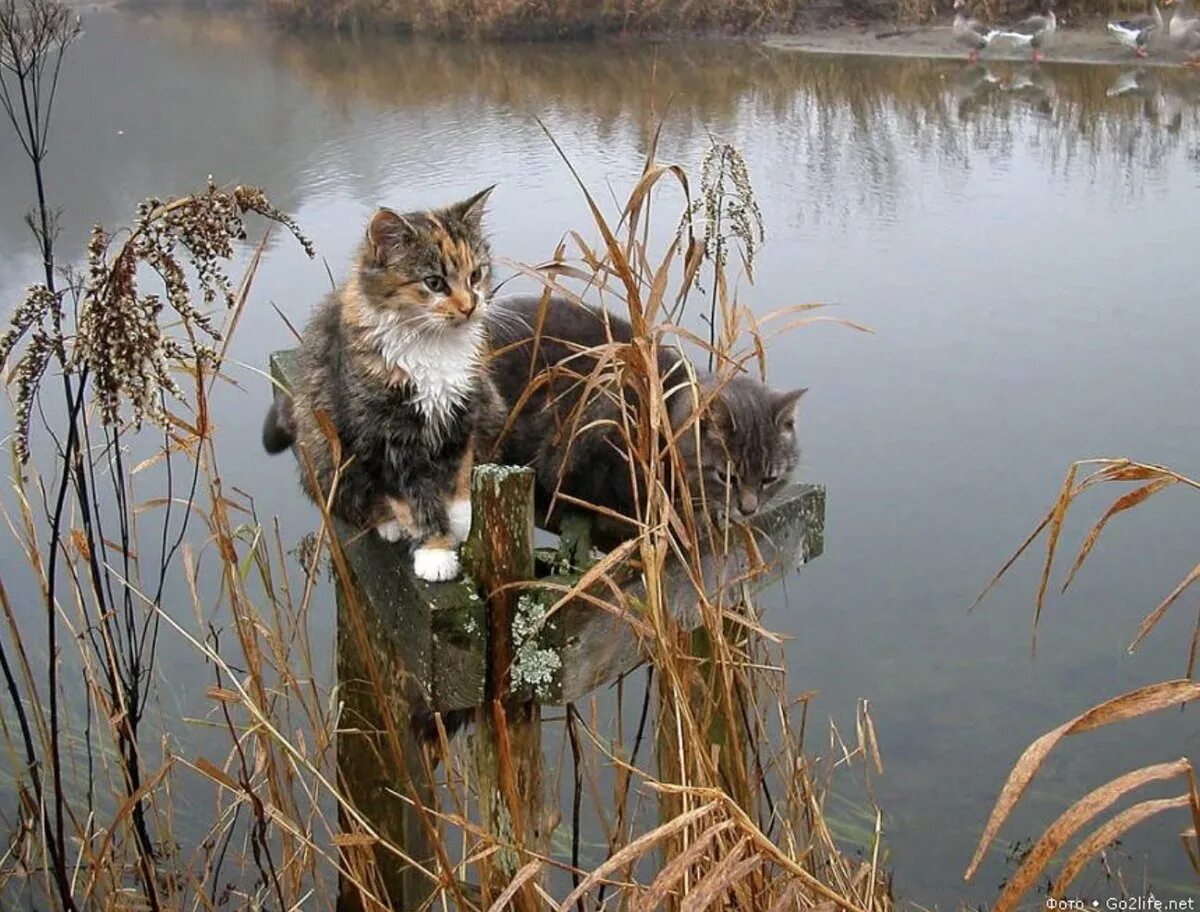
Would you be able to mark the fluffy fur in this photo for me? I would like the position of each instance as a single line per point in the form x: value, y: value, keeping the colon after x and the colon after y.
x: 743, y: 455
x: 394, y: 366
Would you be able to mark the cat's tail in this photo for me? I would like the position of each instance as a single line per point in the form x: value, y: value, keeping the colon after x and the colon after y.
x: 279, y: 427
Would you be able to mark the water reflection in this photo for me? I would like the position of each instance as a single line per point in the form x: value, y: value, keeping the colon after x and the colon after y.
x: 326, y: 112
x: 1164, y: 100
x: 854, y: 117
x: 971, y: 87
x: 705, y: 86
x: 1032, y: 86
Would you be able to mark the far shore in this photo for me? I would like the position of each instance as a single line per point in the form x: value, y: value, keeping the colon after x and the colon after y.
x: 1090, y: 43
x: 1087, y: 43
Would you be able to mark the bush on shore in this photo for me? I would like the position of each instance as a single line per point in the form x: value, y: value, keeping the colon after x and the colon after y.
x: 541, y: 19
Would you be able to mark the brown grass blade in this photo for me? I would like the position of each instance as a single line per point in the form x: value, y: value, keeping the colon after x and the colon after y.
x: 1192, y: 847
x: 620, y: 264
x: 1135, y: 703
x: 518, y: 881
x: 791, y: 899
x: 1195, y: 801
x: 1121, y: 504
x: 288, y: 323
x: 127, y: 806
x: 354, y: 840
x: 674, y: 870
x: 650, y: 177
x: 1193, y: 647
x: 239, y: 303
x: 1156, y: 615
x: 729, y: 871
x: 639, y: 846
x: 1057, y: 514
x: 215, y: 773
x: 1114, y: 829
x: 1124, y: 470
x: 1012, y: 560
x: 867, y: 738
x: 1026, y: 877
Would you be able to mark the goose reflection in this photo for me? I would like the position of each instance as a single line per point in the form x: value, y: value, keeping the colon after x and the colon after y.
x: 1134, y: 83
x: 1165, y: 97
x: 1032, y: 85
x: 1138, y: 84
x: 1175, y: 98
x: 971, y: 85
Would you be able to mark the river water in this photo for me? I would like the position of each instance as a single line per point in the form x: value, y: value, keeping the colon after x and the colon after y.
x: 1019, y: 241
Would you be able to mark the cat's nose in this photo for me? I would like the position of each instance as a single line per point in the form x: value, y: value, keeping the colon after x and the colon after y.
x: 465, y: 304
x: 748, y: 502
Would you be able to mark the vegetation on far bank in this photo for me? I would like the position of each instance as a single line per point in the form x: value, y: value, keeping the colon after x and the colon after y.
x: 582, y: 19
x: 541, y: 19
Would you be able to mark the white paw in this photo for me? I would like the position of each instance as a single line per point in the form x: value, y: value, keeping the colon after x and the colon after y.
x: 390, y: 531
x: 459, y: 512
x: 435, y: 565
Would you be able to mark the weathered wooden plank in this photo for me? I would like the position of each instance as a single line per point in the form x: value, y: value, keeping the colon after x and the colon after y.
x: 599, y: 645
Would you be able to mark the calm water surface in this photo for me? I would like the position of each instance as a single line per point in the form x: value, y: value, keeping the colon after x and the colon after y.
x: 1023, y: 250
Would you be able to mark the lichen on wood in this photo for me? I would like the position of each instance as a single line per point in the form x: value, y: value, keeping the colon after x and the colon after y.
x: 536, y: 659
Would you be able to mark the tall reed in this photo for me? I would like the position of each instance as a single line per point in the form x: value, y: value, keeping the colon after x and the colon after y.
x: 1141, y: 482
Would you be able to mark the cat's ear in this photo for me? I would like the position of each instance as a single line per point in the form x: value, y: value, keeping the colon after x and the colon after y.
x: 387, y: 231
x: 717, y: 421
x: 784, y: 406
x: 471, y: 210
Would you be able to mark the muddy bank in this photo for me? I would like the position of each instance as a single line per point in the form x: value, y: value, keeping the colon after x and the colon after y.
x: 1087, y: 44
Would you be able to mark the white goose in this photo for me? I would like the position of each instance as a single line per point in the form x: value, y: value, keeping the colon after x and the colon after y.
x: 1184, y: 30
x: 1035, y: 31
x: 970, y: 32
x: 1136, y: 32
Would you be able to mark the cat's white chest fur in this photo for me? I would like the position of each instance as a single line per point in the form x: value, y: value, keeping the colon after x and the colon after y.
x: 441, y: 366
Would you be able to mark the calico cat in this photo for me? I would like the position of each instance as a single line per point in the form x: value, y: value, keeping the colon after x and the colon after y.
x: 743, y: 456
x: 395, y: 363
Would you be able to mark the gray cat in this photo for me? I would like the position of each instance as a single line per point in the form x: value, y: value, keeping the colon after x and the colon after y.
x: 744, y: 455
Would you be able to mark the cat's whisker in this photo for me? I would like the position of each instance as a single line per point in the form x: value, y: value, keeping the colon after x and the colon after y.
x: 508, y: 320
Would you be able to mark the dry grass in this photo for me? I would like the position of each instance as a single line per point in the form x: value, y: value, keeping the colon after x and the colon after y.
x: 1148, y: 481
x: 554, y: 19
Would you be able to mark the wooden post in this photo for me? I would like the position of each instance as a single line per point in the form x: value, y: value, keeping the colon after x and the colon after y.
x: 378, y: 702
x: 508, y: 738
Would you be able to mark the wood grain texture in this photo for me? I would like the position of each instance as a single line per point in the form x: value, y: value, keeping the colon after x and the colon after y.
x: 508, y: 734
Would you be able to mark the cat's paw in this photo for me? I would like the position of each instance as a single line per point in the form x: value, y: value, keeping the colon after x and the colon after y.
x: 390, y: 531
x: 459, y: 514
x: 435, y: 565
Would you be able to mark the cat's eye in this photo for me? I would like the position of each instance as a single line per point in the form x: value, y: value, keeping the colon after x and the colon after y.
x: 436, y: 284
x: 726, y: 477
x: 477, y: 275
x: 770, y: 480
